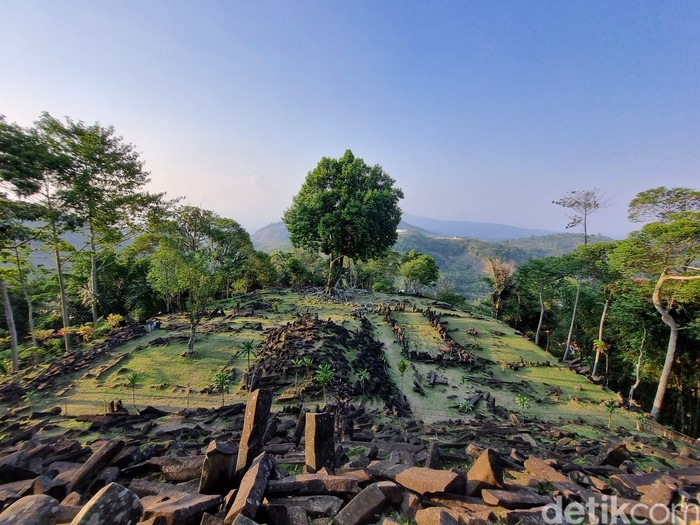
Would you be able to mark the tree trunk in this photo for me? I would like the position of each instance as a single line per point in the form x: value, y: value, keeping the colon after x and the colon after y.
x: 27, y: 297
x: 539, y: 323
x: 600, y: 335
x: 190, y: 342
x: 10, y: 326
x: 670, y: 351
x: 573, y: 321
x: 62, y: 288
x: 335, y: 267
x: 638, y: 367
x: 93, y: 275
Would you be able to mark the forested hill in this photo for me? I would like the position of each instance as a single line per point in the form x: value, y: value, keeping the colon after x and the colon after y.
x: 460, y: 259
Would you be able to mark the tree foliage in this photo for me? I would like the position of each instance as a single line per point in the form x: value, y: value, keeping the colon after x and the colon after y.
x: 660, y: 204
x: 581, y: 204
x: 419, y: 270
x: 345, y: 208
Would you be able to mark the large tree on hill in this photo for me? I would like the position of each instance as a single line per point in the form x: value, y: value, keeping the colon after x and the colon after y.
x: 667, y: 253
x: 345, y: 208
x: 581, y: 204
x: 102, y: 185
x: 193, y: 257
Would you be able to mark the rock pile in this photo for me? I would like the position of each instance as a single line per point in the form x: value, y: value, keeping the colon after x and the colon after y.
x: 243, y: 476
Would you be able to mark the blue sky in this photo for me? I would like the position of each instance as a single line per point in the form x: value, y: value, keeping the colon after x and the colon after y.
x: 483, y: 111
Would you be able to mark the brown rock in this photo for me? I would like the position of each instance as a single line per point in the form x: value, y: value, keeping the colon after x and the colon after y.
x: 257, y: 412
x: 427, y: 481
x: 252, y: 489
x: 435, y: 516
x: 179, y: 508
x: 312, y: 484
x: 112, y: 505
x: 391, y: 490
x: 362, y: 507
x: 486, y: 473
x: 95, y: 463
x: 433, y: 459
x: 319, y: 446
x: 410, y: 504
x: 31, y: 510
x: 523, y: 499
x: 218, y: 469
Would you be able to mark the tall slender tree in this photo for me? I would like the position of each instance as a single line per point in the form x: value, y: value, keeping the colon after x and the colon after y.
x: 581, y: 204
x: 102, y: 185
x: 665, y: 253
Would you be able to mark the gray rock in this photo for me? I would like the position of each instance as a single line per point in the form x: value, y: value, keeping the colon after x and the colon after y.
x: 112, y: 505
x: 31, y: 510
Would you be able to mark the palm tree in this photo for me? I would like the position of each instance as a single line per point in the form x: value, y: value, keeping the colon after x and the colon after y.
x: 221, y: 381
x: 324, y: 375
x: 247, y: 348
x: 363, y: 377
x: 402, y: 366
x: 132, y: 381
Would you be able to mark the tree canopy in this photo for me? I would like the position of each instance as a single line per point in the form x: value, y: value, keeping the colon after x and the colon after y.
x: 345, y: 208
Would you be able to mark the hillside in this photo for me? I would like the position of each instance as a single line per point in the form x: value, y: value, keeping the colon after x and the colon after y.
x: 476, y: 403
x: 464, y: 354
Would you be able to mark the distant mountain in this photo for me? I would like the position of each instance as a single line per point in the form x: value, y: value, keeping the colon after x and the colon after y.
x: 271, y: 238
x: 275, y: 236
x: 474, y: 230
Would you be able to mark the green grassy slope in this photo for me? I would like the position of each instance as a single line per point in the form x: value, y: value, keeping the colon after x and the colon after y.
x: 173, y: 382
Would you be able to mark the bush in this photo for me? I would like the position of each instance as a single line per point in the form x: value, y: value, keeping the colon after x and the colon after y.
x: 450, y: 297
x: 384, y: 286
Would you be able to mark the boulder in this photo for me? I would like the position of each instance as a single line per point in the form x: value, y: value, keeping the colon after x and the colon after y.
x: 312, y: 484
x: 319, y: 446
x: 522, y: 499
x: 257, y: 412
x: 31, y: 510
x: 252, y: 489
x: 486, y: 473
x: 112, y: 505
x: 219, y: 468
x: 362, y: 507
x: 429, y: 481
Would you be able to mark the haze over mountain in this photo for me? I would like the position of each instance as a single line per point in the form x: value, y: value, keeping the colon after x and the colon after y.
x: 276, y: 237
x: 475, y: 230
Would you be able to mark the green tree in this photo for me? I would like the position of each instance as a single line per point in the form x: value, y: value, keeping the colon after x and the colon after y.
x: 102, y: 185
x: 247, y: 349
x: 222, y: 381
x: 324, y: 375
x: 665, y: 252
x: 402, y: 365
x: 345, y: 208
x: 499, y: 275
x: 419, y: 270
x: 660, y: 204
x: 581, y: 204
x: 191, y: 260
x: 133, y: 380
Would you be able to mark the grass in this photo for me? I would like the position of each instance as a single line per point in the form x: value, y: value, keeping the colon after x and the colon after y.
x: 554, y: 393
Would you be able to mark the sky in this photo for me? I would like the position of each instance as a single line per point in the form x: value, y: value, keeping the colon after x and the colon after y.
x: 480, y: 110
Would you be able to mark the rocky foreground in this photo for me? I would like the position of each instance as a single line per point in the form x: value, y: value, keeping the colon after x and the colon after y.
x: 242, y: 473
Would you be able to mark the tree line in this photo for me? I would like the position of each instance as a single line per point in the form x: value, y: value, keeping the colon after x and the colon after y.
x: 629, y: 309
